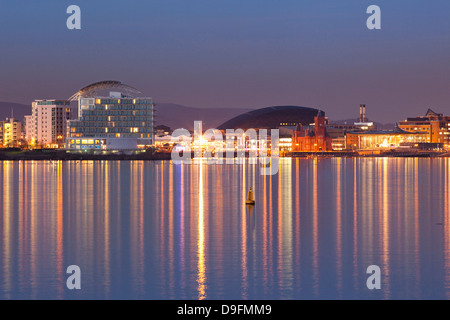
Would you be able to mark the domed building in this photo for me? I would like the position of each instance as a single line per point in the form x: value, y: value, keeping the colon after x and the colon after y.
x: 272, y: 118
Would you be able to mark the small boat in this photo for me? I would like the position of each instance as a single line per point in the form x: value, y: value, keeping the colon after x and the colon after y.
x: 250, y: 198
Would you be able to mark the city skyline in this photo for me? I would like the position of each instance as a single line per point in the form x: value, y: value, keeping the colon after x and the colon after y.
x: 247, y: 153
x: 235, y: 54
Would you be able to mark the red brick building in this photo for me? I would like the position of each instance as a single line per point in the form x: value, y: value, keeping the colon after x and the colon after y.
x: 312, y: 139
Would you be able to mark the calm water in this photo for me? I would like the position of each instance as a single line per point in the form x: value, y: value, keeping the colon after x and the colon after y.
x: 154, y: 230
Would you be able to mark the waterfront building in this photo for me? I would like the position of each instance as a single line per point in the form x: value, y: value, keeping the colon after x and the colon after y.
x: 10, y: 133
x: 312, y: 139
x: 117, y: 122
x: 370, y: 140
x: 436, y: 126
x: 47, y: 125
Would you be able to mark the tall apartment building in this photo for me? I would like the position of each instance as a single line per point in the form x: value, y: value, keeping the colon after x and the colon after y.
x: 116, y: 122
x: 47, y: 126
x: 10, y: 133
x: 435, y: 125
x: 29, y: 128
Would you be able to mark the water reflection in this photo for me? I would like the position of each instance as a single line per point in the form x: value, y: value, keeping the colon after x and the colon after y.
x: 162, y: 231
x: 6, y: 237
x: 201, y: 278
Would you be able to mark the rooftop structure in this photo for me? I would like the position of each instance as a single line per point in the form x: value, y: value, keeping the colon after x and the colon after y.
x: 92, y: 90
x: 272, y: 118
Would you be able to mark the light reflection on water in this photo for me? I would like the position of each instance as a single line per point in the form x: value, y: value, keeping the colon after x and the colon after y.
x: 154, y: 230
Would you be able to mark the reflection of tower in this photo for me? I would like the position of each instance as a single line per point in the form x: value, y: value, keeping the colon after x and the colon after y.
x: 362, y: 113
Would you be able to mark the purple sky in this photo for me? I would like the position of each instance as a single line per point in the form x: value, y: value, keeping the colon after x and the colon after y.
x: 235, y: 53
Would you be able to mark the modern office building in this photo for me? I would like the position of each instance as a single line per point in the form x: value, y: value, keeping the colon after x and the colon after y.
x: 47, y: 126
x: 436, y: 126
x: 10, y: 133
x: 117, y: 122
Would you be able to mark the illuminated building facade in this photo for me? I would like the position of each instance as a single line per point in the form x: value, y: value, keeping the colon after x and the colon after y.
x: 382, y: 139
x: 285, y: 144
x: 10, y: 133
x: 435, y: 125
x: 312, y: 139
x: 112, y: 123
x: 47, y: 126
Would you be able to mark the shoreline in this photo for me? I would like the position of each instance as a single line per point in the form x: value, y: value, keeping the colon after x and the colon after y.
x: 150, y: 155
x: 63, y: 155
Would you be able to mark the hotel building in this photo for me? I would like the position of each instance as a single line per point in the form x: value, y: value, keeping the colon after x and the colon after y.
x: 116, y: 122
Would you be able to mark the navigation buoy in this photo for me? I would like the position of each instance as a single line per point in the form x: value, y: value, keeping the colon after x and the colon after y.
x: 250, y: 198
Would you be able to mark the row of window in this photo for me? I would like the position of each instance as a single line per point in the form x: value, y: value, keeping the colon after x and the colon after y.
x: 114, y: 112
x: 115, y: 118
x: 96, y: 124
x: 124, y: 101
x: 112, y: 130
x: 416, y: 129
x: 111, y: 135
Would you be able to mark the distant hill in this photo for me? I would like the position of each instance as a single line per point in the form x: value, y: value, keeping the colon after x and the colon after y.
x: 177, y: 116
x: 172, y: 115
x: 19, y: 110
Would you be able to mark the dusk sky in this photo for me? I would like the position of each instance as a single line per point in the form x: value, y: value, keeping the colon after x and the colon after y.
x: 235, y: 53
